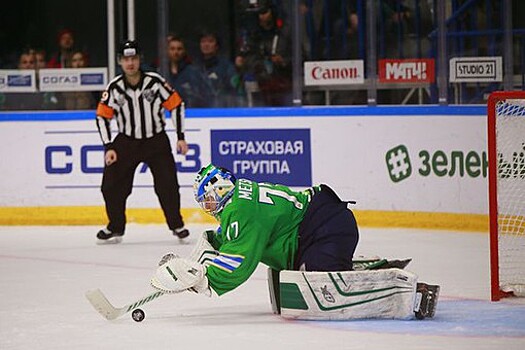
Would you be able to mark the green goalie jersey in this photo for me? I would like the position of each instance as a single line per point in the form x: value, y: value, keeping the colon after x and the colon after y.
x: 259, y: 224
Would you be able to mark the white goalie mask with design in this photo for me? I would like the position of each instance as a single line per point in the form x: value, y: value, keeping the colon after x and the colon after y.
x: 213, y: 187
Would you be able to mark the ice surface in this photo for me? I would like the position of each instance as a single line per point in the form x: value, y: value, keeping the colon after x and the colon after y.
x: 45, y: 271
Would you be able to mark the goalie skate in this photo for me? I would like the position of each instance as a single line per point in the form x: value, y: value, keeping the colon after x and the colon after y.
x: 427, y: 295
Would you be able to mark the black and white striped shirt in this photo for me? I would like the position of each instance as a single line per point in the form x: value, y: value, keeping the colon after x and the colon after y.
x: 139, y: 110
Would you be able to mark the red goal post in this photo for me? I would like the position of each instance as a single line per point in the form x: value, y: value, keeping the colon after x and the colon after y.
x: 506, y: 154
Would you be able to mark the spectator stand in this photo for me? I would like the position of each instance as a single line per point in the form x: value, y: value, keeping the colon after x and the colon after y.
x: 409, y: 30
x: 483, y: 28
x: 402, y: 29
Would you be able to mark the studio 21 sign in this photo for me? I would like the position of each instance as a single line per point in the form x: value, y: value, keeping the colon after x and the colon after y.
x: 406, y: 71
x: 476, y: 69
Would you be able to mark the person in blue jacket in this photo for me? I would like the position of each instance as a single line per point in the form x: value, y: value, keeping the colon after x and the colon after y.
x: 187, y: 79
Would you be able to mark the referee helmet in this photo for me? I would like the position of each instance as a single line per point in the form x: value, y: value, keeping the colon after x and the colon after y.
x: 129, y: 48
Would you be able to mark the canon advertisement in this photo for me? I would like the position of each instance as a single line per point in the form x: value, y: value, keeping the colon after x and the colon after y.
x: 318, y: 73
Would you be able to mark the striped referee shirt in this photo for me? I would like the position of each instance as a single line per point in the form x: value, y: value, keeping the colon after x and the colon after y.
x: 139, y: 110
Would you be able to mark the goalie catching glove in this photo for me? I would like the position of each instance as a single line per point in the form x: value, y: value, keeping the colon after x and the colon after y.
x: 180, y: 274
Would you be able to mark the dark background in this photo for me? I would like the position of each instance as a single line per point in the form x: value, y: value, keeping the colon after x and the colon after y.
x: 36, y: 23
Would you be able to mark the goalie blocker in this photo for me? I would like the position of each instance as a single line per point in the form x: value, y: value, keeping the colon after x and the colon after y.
x: 388, y: 293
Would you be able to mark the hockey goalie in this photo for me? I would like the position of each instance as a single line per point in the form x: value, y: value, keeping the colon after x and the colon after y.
x: 307, y: 239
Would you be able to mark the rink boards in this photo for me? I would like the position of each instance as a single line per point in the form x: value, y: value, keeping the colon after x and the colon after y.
x: 420, y: 166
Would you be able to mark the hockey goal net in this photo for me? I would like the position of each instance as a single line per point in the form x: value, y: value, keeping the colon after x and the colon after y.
x: 506, y: 153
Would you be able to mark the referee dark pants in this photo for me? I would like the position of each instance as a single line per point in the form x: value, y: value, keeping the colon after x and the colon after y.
x: 117, y: 181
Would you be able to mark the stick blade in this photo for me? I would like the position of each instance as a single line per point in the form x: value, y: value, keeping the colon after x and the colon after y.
x: 100, y: 303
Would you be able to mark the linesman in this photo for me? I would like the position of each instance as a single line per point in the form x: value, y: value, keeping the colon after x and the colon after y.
x: 137, y: 100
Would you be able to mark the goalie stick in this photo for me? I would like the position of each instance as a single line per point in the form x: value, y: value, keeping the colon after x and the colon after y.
x: 99, y: 301
x: 203, y: 253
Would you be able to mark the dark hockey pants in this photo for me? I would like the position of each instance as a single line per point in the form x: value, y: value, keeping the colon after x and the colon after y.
x: 328, y: 234
x: 117, y: 181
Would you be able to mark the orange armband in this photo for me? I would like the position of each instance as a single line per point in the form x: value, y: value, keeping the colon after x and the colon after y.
x: 172, y: 102
x: 105, y: 111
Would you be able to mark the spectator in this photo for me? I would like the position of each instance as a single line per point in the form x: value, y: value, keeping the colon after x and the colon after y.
x: 27, y: 60
x: 78, y: 99
x: 62, y: 58
x: 187, y: 80
x: 331, y: 27
x: 40, y: 59
x: 25, y: 100
x: 49, y: 98
x: 266, y: 56
x: 222, y: 76
x: 396, y: 23
x: 155, y: 64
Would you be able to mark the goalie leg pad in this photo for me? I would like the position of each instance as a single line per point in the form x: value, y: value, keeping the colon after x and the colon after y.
x: 273, y: 286
x: 347, y: 295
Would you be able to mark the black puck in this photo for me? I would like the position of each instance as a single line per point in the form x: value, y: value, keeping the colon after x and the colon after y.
x: 138, y: 315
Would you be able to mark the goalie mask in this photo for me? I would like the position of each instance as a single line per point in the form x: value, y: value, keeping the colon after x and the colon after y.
x: 213, y: 187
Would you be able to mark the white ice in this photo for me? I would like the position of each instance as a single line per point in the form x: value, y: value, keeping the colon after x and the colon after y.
x: 45, y: 271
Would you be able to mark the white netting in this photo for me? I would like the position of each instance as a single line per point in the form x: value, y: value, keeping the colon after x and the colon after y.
x: 510, y: 145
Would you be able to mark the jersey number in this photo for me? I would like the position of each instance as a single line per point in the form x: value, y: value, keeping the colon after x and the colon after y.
x: 265, y: 193
x: 233, y: 231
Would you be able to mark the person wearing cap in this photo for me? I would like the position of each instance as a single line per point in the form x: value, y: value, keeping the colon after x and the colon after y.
x: 138, y: 100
